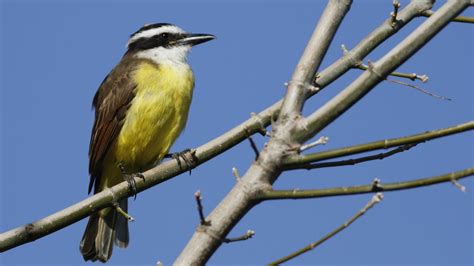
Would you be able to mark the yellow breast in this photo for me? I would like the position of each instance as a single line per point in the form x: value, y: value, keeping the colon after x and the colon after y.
x: 157, y: 114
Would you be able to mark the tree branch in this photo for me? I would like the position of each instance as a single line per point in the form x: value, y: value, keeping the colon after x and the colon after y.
x: 355, y: 161
x: 380, y: 69
x: 266, y: 169
x: 355, y: 190
x: 419, y: 89
x: 373, y: 40
x: 249, y: 234
x: 298, y: 161
x: 169, y: 169
x: 200, y: 209
x: 462, y: 19
x: 373, y: 201
x: 412, y: 76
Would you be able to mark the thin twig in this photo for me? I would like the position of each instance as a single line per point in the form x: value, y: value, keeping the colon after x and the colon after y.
x: 123, y: 213
x: 419, y: 89
x: 413, y: 76
x: 461, y: 19
x: 373, y: 201
x: 235, y: 172
x: 321, y: 141
x: 394, y: 14
x: 254, y: 147
x: 370, y: 188
x: 249, y: 234
x: 200, y: 209
x: 298, y: 160
x: 354, y: 161
x: 458, y: 185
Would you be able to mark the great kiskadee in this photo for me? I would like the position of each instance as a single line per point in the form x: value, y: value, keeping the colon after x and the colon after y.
x: 140, y: 109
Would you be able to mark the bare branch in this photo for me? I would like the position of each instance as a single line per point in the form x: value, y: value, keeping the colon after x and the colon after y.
x: 383, y: 67
x: 458, y: 185
x: 123, y: 213
x: 254, y: 146
x: 394, y: 14
x: 373, y: 201
x: 419, y: 89
x: 298, y: 161
x: 249, y: 234
x: 354, y: 190
x: 169, y: 169
x: 321, y: 141
x: 200, y: 209
x: 413, y: 76
x: 355, y: 161
x: 429, y: 13
x: 264, y: 171
x: 235, y: 172
x: 372, y: 41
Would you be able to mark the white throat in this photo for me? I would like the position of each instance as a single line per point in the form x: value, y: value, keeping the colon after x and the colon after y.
x: 160, y: 55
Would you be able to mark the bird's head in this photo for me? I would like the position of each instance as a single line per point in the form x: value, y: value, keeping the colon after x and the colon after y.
x: 163, y: 42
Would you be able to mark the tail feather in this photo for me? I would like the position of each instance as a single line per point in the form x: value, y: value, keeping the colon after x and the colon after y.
x: 103, y: 229
x: 121, y: 227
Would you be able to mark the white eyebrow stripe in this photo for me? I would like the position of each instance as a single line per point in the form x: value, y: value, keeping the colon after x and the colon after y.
x: 156, y: 31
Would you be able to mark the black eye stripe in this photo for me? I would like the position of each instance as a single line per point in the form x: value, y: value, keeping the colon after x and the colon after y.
x: 164, y: 39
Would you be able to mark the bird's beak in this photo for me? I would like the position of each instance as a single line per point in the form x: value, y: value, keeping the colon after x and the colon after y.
x: 195, y: 38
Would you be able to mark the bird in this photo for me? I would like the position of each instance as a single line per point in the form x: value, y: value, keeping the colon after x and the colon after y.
x: 141, y: 107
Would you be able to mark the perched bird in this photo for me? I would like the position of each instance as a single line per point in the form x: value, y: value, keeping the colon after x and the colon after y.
x: 140, y: 109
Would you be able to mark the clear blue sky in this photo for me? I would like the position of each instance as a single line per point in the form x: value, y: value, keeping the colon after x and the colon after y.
x: 54, y: 54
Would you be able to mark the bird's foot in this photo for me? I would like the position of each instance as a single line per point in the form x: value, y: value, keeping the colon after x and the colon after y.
x: 188, y: 156
x: 130, y: 178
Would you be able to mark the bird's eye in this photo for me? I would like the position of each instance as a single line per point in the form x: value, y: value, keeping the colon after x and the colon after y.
x: 164, y: 35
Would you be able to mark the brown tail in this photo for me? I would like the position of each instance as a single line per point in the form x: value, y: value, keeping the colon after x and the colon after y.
x: 103, y: 230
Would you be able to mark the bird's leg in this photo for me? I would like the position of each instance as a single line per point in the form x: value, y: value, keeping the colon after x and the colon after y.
x: 130, y: 178
x: 188, y: 156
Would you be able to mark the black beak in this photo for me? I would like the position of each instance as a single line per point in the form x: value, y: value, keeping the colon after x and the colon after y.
x: 195, y: 39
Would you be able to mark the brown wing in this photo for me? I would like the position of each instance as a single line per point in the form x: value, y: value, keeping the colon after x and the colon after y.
x: 111, y: 103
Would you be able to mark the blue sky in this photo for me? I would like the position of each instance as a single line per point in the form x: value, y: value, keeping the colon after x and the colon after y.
x: 54, y: 54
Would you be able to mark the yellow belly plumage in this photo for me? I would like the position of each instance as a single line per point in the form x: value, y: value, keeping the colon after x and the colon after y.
x: 154, y: 120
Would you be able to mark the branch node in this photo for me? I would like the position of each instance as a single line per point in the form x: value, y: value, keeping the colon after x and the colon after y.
x: 200, y: 209
x: 321, y: 141
x: 411, y: 76
x: 354, y: 61
x: 303, y: 124
x: 252, y: 143
x: 236, y: 174
x: 371, y: 68
x: 249, y: 234
x: 376, y: 185
x: 310, y: 88
x: 295, y: 191
x: 262, y: 130
x: 423, y: 78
